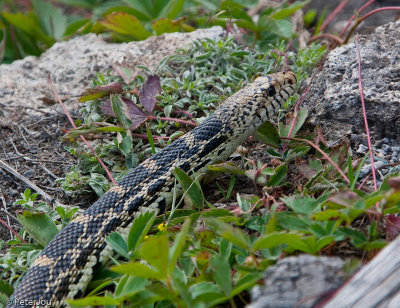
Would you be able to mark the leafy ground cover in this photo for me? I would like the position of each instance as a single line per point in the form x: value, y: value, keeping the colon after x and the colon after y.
x: 305, y: 197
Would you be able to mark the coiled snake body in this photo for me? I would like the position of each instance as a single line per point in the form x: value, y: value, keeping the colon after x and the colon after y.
x: 65, y: 266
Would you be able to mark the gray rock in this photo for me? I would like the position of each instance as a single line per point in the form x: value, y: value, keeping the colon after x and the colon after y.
x: 386, y: 148
x: 72, y: 65
x: 298, y: 281
x: 362, y: 149
x: 334, y: 99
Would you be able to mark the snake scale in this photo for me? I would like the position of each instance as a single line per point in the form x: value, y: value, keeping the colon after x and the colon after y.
x: 66, y: 265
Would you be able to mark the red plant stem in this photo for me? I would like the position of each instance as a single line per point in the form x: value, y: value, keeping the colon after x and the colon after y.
x: 360, y: 87
x: 74, y: 126
x: 363, y: 182
x: 184, y: 112
x: 333, y: 14
x: 354, y: 16
x: 12, y: 230
x: 361, y: 19
x: 381, y: 9
x: 327, y: 35
x: 300, y: 100
x: 151, y: 117
x: 323, y: 154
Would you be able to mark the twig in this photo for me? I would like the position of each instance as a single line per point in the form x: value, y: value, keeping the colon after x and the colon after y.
x: 360, y: 87
x: 12, y: 230
x: 14, y: 172
x: 74, y: 126
x: 3, y: 201
x: 323, y: 154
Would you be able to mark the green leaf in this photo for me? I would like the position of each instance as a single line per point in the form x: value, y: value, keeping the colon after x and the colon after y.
x: 121, y: 111
x: 177, y: 247
x: 39, y: 225
x: 227, y: 167
x: 275, y: 239
x: 5, y: 288
x: 126, y: 24
x: 302, y: 204
x: 172, y: 9
x: 138, y: 269
x: 130, y: 285
x: 246, y: 283
x: 289, y: 10
x: 328, y: 214
x: 81, y: 26
x: 268, y: 134
x: 300, y: 119
x: 94, y: 301
x: 165, y: 25
x: 126, y: 144
x: 311, y: 244
x: 191, y: 188
x: 276, y: 179
x: 155, y: 251
x: 150, y: 138
x: 290, y: 221
x: 222, y: 273
x: 52, y: 19
x: 78, y: 132
x: 353, y: 179
x: 117, y: 242
x: 136, y: 10
x: 225, y: 248
x: 204, y: 288
x: 140, y: 227
x: 358, y: 239
x: 226, y: 231
x: 30, y: 25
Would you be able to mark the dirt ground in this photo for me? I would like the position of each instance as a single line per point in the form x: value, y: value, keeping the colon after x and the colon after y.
x: 33, y: 147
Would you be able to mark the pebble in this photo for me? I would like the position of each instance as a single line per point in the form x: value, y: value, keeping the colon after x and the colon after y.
x: 386, y: 148
x: 362, y: 149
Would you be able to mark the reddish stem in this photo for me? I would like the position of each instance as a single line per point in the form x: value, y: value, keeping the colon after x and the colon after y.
x: 354, y: 16
x: 381, y: 9
x: 327, y: 35
x: 361, y: 19
x: 333, y: 14
x: 184, y: 112
x: 360, y: 87
x: 12, y: 230
x: 323, y: 154
x: 74, y: 126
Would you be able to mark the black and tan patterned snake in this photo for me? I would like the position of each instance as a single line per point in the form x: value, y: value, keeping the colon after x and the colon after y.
x: 66, y: 265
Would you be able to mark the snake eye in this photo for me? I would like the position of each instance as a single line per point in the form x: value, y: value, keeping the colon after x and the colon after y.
x: 271, y: 91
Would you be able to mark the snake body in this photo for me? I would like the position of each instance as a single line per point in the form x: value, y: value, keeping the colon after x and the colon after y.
x: 66, y: 265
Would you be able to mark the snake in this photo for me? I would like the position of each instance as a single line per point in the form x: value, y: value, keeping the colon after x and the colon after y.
x: 64, y: 268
